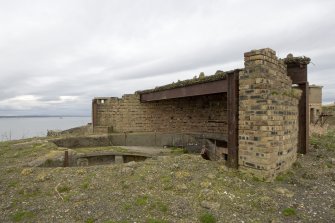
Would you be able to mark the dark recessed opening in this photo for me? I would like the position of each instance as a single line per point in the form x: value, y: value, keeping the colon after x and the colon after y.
x: 225, y: 157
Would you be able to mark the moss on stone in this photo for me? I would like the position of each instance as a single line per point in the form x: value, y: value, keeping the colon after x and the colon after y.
x: 219, y: 75
x: 297, y: 60
x: 293, y: 93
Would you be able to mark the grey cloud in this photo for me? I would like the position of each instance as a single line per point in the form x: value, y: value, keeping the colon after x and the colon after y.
x: 86, y: 48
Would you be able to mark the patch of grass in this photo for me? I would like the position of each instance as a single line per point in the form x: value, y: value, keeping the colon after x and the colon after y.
x: 5, y: 144
x: 167, y: 187
x: 125, y: 184
x: 289, y: 211
x: 115, y: 221
x: 90, y: 220
x: 297, y: 165
x: 13, y: 184
x: 103, y: 148
x: 257, y: 179
x: 162, y: 207
x: 166, y: 179
x: 159, y: 205
x: 141, y: 201
x: 126, y: 207
x: 64, y: 188
x: 38, y: 145
x: 280, y: 178
x: 11, y: 170
x: 207, y: 218
x: 324, y: 141
x: 284, y: 177
x: 85, y: 186
x: 48, y: 162
x: 29, y: 192
x: 263, y: 203
x: 155, y: 221
x: 66, y: 198
x: 177, y: 150
x: 309, y: 176
x: 22, y: 215
x: 329, y: 165
x: 166, y: 182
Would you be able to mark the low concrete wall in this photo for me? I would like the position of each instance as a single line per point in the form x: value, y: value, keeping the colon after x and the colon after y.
x: 82, y: 141
x: 193, y: 142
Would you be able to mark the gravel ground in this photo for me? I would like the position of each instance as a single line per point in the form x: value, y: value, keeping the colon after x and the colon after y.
x: 169, y: 188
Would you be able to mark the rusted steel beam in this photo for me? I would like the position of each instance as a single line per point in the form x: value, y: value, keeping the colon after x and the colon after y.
x: 94, y: 112
x: 303, y: 132
x: 214, y: 87
x: 297, y: 72
x: 66, y: 158
x: 232, y: 106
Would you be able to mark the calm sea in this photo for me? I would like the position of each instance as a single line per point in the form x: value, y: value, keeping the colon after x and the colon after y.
x: 27, y: 127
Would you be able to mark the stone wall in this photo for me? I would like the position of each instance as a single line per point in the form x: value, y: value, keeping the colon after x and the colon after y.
x: 205, y: 114
x: 268, y: 112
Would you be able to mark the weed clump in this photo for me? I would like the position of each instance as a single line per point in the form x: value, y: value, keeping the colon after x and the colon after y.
x: 324, y: 141
x: 90, y: 220
x: 141, y: 201
x: 63, y: 189
x: 22, y: 215
x: 289, y: 212
x: 177, y: 150
x: 207, y: 218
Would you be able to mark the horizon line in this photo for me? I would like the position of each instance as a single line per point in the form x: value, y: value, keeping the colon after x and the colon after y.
x: 35, y: 116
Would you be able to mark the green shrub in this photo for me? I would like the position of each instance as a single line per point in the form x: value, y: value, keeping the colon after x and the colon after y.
x: 289, y: 211
x: 22, y: 215
x: 207, y: 218
x: 90, y: 220
x: 142, y: 200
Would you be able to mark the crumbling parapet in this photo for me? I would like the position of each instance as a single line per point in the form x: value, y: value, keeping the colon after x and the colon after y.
x: 268, y: 112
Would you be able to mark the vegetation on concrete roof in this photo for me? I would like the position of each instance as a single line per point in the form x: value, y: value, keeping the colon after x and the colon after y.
x: 298, y: 60
x: 219, y: 75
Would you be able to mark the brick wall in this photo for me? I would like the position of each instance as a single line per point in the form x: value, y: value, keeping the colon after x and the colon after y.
x: 206, y: 114
x: 268, y: 112
x: 268, y: 115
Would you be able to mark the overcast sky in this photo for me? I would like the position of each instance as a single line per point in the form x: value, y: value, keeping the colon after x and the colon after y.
x: 55, y: 56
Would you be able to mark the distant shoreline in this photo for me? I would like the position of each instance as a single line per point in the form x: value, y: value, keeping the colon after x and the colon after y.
x: 44, y: 116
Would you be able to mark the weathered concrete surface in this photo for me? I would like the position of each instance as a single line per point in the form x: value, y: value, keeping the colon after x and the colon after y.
x: 139, y: 139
